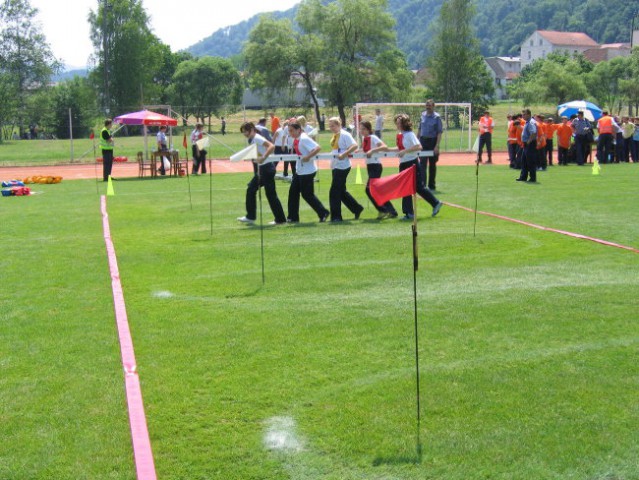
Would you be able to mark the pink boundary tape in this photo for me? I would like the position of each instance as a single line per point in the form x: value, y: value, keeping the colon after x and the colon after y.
x: 142, y: 451
x: 548, y: 229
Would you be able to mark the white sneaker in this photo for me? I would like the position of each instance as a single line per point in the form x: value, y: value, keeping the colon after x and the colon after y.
x: 276, y: 223
x: 245, y: 220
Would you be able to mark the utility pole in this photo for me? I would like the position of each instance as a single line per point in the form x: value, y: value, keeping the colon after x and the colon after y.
x: 105, y: 49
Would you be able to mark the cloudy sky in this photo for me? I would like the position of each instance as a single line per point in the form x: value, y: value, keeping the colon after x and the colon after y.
x: 178, y: 24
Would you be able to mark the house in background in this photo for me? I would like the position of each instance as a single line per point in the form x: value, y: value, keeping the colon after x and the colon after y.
x: 543, y: 42
x: 503, y: 71
x: 607, y: 51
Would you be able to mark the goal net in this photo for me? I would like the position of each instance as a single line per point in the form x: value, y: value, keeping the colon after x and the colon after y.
x: 455, y: 119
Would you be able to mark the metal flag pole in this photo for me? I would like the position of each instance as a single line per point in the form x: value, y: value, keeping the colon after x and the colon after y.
x: 476, y: 196
x: 415, y: 268
x: 259, y: 194
x: 186, y: 159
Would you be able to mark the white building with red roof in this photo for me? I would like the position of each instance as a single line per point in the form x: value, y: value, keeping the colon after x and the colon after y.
x: 543, y: 42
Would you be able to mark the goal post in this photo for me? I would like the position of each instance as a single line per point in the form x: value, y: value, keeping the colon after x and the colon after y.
x: 456, y: 120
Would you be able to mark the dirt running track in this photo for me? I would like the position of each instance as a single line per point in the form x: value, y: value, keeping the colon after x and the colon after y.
x: 130, y: 169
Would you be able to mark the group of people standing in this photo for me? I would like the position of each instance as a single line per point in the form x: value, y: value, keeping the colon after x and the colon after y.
x: 294, y: 137
x: 616, y: 141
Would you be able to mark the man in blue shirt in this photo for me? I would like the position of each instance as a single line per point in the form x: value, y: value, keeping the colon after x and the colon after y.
x: 430, y: 134
x: 583, y: 132
x: 529, y: 158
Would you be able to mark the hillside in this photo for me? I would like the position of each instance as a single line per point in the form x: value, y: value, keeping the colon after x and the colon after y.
x: 501, y: 25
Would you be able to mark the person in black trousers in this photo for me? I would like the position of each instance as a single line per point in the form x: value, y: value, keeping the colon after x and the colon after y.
x: 264, y: 176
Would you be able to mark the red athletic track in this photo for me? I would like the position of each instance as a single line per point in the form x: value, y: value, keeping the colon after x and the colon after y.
x: 130, y: 169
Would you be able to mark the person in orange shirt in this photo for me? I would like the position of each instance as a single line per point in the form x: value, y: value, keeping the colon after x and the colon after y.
x: 519, y: 123
x: 607, y: 128
x: 550, y: 128
x: 512, y: 139
x: 564, y: 136
x: 275, y: 123
x: 486, y: 125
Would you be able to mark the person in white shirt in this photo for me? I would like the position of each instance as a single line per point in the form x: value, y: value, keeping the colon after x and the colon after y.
x: 199, y: 156
x: 343, y: 144
x: 304, y: 177
x: 162, y: 146
x: 264, y: 176
x: 407, y: 147
x: 372, y: 144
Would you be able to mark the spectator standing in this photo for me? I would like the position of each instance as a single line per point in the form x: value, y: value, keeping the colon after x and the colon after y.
x: 550, y: 129
x: 430, y: 135
x: 628, y: 131
x: 529, y: 138
x: 564, y: 136
x: 199, y: 156
x: 275, y: 123
x: 486, y: 126
x: 223, y: 127
x: 583, y: 136
x: 106, y: 145
x: 162, y: 147
x: 606, y: 127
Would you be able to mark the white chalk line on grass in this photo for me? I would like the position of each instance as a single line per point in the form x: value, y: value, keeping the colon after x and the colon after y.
x: 547, y: 229
x: 144, y: 464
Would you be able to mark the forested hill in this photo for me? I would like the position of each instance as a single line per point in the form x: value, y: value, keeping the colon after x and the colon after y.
x: 501, y: 25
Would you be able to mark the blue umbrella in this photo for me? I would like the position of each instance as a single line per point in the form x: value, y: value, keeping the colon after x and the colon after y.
x: 591, y: 111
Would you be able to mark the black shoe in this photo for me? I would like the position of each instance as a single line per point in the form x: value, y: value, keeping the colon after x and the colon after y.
x: 358, y: 214
x: 324, y: 217
x: 520, y: 179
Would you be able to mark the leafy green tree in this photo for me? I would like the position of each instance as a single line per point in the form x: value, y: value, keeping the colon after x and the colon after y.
x: 357, y: 35
x: 133, y: 58
x: 557, y: 79
x: 278, y: 57
x: 78, y: 96
x: 26, y: 61
x: 630, y: 86
x: 458, y: 71
x: 604, y: 82
x: 204, y: 87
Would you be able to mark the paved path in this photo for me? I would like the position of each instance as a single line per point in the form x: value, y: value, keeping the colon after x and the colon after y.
x: 130, y: 169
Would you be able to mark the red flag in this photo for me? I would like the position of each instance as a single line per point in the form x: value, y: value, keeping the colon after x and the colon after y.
x: 91, y: 135
x: 399, y: 185
x: 184, y: 141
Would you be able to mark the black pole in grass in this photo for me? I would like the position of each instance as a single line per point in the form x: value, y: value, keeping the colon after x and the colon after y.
x: 210, y: 192
x: 476, y: 196
x: 186, y: 159
x: 415, y: 268
x: 259, y: 194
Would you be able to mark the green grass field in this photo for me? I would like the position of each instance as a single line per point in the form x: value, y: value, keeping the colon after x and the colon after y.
x: 528, y: 339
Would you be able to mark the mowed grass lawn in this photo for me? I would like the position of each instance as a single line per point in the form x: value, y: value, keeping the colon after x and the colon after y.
x: 528, y: 339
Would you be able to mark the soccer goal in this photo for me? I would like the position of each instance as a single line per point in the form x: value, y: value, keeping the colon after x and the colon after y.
x: 456, y: 118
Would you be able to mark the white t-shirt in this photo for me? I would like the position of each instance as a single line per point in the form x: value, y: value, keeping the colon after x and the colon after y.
x: 379, y: 122
x: 344, y: 142
x: 305, y: 145
x: 279, y: 137
x: 195, y: 136
x: 161, y: 138
x: 375, y: 142
x: 409, y: 140
x: 259, y: 140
